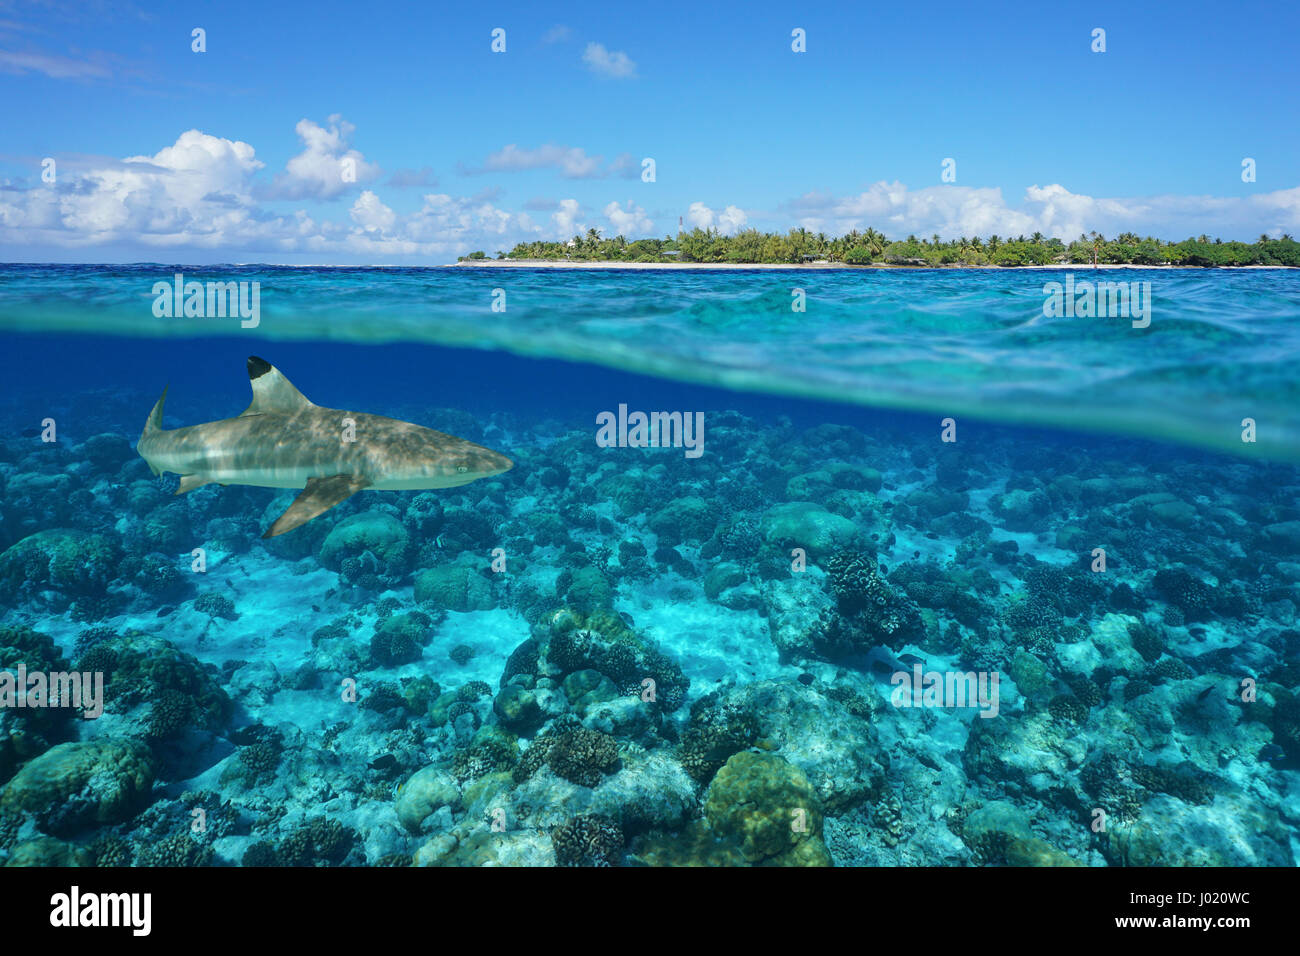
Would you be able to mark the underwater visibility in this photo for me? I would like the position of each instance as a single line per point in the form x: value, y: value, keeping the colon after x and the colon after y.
x: 470, y: 567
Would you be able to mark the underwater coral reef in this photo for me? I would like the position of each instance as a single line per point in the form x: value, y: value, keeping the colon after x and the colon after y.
x: 631, y: 658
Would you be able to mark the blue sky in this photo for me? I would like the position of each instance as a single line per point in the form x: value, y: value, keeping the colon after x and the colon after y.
x: 233, y: 154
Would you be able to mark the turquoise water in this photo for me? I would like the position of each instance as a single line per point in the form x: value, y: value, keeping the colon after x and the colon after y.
x: 614, y: 655
x: 1222, y: 345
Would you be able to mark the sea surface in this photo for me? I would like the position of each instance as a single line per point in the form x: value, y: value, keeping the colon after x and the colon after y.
x: 945, y: 581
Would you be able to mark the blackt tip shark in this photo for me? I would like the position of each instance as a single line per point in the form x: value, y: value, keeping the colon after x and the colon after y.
x: 282, y: 440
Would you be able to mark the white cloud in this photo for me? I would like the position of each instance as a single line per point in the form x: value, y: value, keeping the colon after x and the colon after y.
x: 613, y: 63
x: 572, y: 161
x: 199, y: 198
x: 953, y: 211
x: 630, y: 222
x: 731, y: 220
x: 198, y: 194
x: 556, y: 34
x: 326, y: 167
x: 199, y: 186
x: 700, y: 216
x: 728, y: 222
x: 371, y: 214
x: 565, y: 219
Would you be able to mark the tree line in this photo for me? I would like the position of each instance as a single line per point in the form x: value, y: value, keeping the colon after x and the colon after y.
x: 869, y: 247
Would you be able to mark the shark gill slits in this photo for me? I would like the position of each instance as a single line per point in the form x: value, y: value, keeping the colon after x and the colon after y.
x: 257, y: 367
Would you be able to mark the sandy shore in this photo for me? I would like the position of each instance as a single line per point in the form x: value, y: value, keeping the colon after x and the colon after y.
x: 578, y: 264
x: 734, y: 266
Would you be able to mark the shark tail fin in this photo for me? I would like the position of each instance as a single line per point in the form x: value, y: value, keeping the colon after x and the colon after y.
x: 154, y: 422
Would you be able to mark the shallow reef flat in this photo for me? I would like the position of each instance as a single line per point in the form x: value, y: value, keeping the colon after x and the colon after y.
x: 676, y: 662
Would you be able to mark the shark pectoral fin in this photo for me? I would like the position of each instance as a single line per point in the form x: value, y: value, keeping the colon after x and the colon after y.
x: 320, y: 495
x: 190, y: 482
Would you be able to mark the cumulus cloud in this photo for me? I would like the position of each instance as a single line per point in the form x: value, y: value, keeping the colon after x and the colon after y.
x: 629, y: 221
x: 728, y: 222
x: 199, y: 186
x: 199, y: 197
x: 953, y: 211
x: 327, y: 166
x: 614, y: 63
x: 444, y: 218
x: 199, y: 194
x: 371, y: 214
x: 731, y: 220
x: 565, y: 219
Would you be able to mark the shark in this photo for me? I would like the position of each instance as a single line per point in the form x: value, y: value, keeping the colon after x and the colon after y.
x: 283, y: 440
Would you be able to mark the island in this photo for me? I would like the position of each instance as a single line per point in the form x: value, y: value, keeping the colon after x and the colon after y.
x: 799, y: 248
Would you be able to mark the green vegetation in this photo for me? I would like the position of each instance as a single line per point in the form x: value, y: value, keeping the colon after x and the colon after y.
x: 865, y: 248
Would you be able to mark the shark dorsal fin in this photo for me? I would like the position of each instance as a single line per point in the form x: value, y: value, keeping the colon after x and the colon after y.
x: 272, y: 392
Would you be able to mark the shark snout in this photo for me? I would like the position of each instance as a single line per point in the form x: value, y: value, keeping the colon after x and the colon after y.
x: 478, y: 462
x: 496, y: 463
